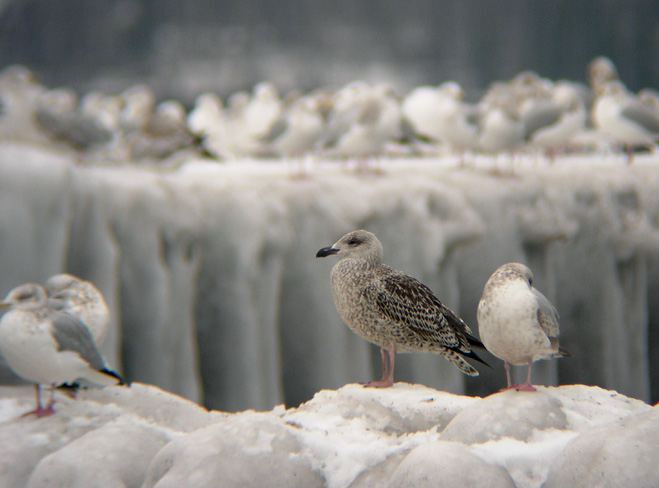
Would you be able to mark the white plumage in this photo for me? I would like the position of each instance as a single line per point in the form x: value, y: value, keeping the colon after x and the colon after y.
x: 516, y: 322
x: 48, y: 347
x: 82, y: 300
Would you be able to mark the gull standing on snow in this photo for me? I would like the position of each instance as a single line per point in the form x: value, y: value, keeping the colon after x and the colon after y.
x: 82, y: 300
x: 47, y: 347
x: 393, y: 310
x: 516, y: 322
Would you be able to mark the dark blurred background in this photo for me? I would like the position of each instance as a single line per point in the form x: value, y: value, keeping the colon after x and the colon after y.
x: 183, y: 48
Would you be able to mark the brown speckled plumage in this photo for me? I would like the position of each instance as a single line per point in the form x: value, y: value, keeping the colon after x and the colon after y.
x: 391, y: 309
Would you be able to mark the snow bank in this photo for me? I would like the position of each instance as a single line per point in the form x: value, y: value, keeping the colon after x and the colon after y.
x: 104, y: 438
x: 405, y: 436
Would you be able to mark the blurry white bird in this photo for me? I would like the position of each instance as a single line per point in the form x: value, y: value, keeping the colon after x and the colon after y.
x: 139, y: 102
x: 296, y: 132
x: 650, y: 98
x: 529, y: 85
x: 601, y: 71
x: 441, y: 114
x: 82, y: 300
x: 87, y: 126
x: 500, y: 130
x: 247, y: 118
x: 19, y: 97
x: 619, y: 115
x: 207, y: 121
x: 550, y: 124
x: 516, y: 322
x: 104, y: 110
x: 47, y: 347
x: 262, y: 110
x: 165, y: 134
x: 207, y: 112
x: 363, y: 120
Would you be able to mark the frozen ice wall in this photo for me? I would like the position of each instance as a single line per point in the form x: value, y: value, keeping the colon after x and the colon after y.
x: 216, y: 294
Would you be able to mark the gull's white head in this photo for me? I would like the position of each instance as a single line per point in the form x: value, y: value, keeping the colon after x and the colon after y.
x: 511, y: 272
x: 25, y: 296
x: 60, y: 282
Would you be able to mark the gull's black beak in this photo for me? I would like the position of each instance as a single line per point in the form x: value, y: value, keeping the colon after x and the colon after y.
x: 326, y: 251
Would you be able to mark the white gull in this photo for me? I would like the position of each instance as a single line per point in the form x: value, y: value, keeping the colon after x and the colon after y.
x: 47, y: 347
x: 82, y: 300
x: 619, y: 115
x: 516, y: 322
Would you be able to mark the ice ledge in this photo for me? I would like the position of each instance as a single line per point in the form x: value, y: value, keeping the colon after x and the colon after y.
x: 216, y: 295
x: 408, y: 435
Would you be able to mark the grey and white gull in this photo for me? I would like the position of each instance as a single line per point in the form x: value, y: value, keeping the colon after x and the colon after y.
x: 393, y: 310
x: 48, y: 347
x: 619, y: 114
x: 516, y: 322
x: 82, y: 300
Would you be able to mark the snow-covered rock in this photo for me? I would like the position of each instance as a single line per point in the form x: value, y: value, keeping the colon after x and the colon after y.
x: 447, y: 464
x: 622, y: 453
x: 102, y: 438
x: 246, y: 449
x: 405, y: 436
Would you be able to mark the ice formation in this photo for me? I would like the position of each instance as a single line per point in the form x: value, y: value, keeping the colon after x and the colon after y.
x: 210, y: 273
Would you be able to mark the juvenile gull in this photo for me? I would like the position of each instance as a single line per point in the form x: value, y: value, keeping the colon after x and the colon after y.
x: 516, y: 322
x: 47, y: 347
x: 82, y: 300
x: 393, y: 310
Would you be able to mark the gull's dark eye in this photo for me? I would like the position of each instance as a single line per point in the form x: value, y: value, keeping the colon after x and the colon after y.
x: 353, y: 241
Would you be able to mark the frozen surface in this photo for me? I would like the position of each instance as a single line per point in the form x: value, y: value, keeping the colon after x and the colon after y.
x: 210, y: 273
x: 405, y: 436
x: 104, y: 438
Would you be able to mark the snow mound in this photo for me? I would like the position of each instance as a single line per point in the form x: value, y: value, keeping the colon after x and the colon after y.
x: 447, y: 464
x: 611, y: 455
x: 104, y: 438
x: 405, y: 436
x: 248, y: 449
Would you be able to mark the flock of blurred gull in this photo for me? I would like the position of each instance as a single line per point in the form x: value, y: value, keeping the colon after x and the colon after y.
x: 527, y: 114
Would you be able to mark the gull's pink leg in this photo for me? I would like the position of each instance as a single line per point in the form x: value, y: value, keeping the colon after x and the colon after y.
x: 385, y: 363
x: 509, y: 386
x: 387, y: 369
x: 527, y: 386
x: 51, y: 400
x: 42, y: 411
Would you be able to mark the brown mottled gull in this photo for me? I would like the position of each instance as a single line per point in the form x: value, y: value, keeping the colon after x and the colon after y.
x: 516, y: 322
x: 393, y: 310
